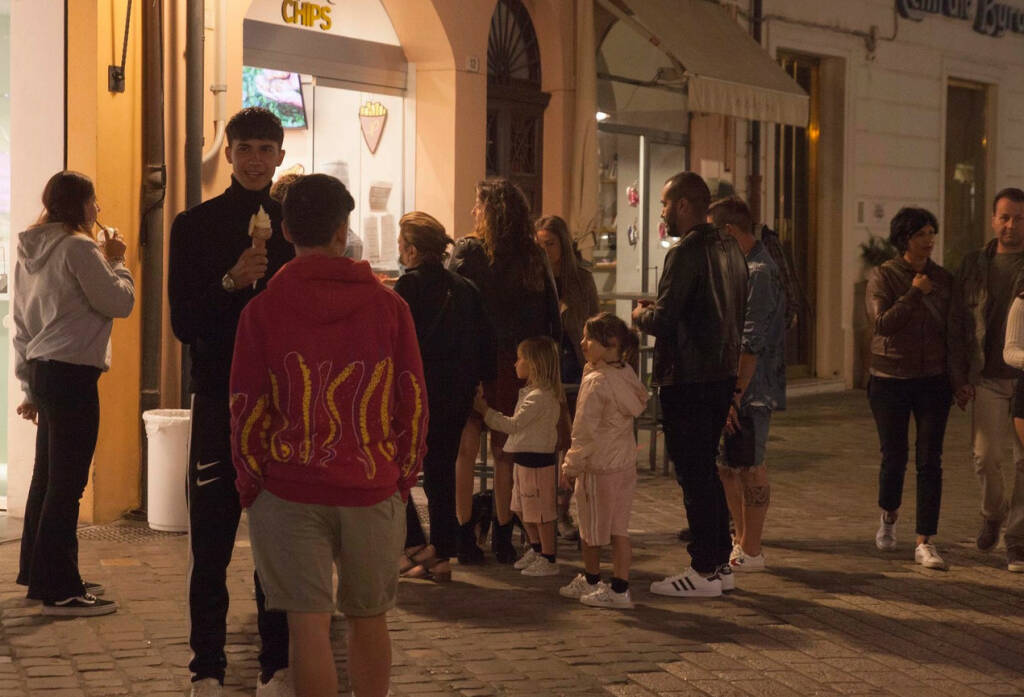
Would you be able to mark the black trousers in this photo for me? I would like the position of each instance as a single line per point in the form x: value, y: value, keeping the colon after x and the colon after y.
x: 693, y: 415
x: 214, y: 511
x: 892, y: 403
x: 68, y: 406
x: 443, y: 439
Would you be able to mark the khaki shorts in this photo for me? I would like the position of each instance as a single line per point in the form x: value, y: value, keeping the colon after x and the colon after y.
x: 295, y: 546
x: 533, y: 493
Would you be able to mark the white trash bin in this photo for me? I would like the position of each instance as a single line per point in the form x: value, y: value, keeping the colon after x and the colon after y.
x: 167, y: 434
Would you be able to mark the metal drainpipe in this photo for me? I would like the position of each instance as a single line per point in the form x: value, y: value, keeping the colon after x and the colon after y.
x: 755, y: 178
x: 151, y: 239
x: 194, y: 94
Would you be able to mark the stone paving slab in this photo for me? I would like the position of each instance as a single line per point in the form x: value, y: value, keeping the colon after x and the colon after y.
x: 831, y: 617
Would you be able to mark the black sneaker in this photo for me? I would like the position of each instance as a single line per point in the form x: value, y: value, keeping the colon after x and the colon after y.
x: 94, y: 588
x: 86, y: 605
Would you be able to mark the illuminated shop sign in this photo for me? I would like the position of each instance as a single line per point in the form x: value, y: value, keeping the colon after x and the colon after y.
x: 308, y: 14
x: 989, y: 17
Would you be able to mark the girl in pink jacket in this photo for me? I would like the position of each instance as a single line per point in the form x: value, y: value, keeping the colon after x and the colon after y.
x: 602, y: 458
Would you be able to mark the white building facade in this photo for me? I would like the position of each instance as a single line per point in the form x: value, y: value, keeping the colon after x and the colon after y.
x: 912, y: 102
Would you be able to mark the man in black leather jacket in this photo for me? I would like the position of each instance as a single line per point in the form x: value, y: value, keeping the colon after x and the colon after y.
x: 697, y: 323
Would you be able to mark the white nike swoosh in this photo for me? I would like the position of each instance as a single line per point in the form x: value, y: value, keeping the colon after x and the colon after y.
x: 200, y: 466
x: 204, y: 482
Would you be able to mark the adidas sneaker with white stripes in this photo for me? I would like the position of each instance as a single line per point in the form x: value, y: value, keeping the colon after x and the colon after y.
x: 689, y: 585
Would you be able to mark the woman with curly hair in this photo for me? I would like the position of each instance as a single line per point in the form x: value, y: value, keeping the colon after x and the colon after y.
x: 502, y: 258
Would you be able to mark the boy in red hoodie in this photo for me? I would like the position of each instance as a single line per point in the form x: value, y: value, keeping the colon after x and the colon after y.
x: 328, y: 425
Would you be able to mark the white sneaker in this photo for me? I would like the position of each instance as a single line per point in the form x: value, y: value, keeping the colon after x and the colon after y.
x: 542, y: 567
x: 747, y: 562
x: 689, y: 585
x: 207, y: 687
x: 926, y: 556
x: 727, y: 577
x: 606, y: 597
x: 524, y: 561
x: 736, y: 551
x: 278, y: 686
x: 578, y: 587
x: 885, y: 538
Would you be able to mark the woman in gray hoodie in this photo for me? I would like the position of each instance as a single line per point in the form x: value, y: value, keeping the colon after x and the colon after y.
x: 68, y: 287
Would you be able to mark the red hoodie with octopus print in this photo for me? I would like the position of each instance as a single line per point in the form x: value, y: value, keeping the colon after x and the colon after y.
x: 327, y: 394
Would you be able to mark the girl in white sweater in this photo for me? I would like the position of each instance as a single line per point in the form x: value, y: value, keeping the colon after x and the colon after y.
x: 602, y: 458
x: 533, y: 434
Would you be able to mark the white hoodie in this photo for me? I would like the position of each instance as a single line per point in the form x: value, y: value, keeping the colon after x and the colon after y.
x: 66, y: 295
x: 602, y: 433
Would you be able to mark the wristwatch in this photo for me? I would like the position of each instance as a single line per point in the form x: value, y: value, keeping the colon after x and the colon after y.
x: 228, y: 282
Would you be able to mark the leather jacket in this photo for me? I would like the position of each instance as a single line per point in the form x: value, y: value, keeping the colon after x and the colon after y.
x: 698, y: 318
x: 910, y: 328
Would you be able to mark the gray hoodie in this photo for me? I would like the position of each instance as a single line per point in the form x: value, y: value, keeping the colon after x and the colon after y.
x: 66, y: 295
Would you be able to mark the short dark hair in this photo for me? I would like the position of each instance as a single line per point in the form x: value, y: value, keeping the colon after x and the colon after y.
x: 692, y: 187
x: 314, y: 207
x: 255, y: 123
x: 732, y: 211
x: 906, y: 223
x: 1010, y: 192
x: 64, y: 198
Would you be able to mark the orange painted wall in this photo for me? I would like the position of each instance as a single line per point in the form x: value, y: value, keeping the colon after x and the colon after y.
x: 104, y: 141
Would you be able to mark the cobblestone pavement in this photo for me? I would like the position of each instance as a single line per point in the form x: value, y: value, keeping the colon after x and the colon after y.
x: 832, y: 616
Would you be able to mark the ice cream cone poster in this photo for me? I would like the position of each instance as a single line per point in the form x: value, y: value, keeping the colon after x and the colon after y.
x: 372, y: 117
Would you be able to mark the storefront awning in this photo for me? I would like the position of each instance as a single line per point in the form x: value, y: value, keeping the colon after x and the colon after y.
x: 725, y: 70
x: 377, y: 66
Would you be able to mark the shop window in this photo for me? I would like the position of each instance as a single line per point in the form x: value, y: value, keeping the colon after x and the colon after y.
x: 515, y: 102
x: 358, y: 137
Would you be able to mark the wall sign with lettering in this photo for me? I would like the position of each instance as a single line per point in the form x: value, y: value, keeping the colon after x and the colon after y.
x: 989, y: 17
x: 308, y: 14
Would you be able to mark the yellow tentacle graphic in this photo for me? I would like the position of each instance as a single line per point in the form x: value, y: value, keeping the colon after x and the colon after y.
x: 332, y: 407
x: 258, y: 410
x: 306, y: 447
x: 417, y: 414
x: 387, y: 447
x: 364, y: 405
x: 279, y: 450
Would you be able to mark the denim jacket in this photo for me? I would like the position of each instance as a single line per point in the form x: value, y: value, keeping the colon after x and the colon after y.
x: 764, y: 331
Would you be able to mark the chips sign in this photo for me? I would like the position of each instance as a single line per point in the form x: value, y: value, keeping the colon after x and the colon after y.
x: 308, y: 14
x: 989, y: 17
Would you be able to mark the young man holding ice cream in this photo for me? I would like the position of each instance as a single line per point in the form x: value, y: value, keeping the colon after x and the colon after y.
x: 222, y: 254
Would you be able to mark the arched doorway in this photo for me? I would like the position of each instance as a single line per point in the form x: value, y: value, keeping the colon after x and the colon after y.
x: 515, y: 102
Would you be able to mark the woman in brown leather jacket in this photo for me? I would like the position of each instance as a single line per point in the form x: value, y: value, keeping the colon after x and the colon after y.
x: 908, y: 300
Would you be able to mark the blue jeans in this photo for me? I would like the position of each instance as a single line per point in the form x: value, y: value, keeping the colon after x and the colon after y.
x: 693, y: 415
x: 893, y: 400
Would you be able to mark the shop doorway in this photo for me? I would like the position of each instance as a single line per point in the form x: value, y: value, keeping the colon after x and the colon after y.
x: 796, y: 197
x: 515, y: 102
x: 965, y: 219
x: 629, y: 254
